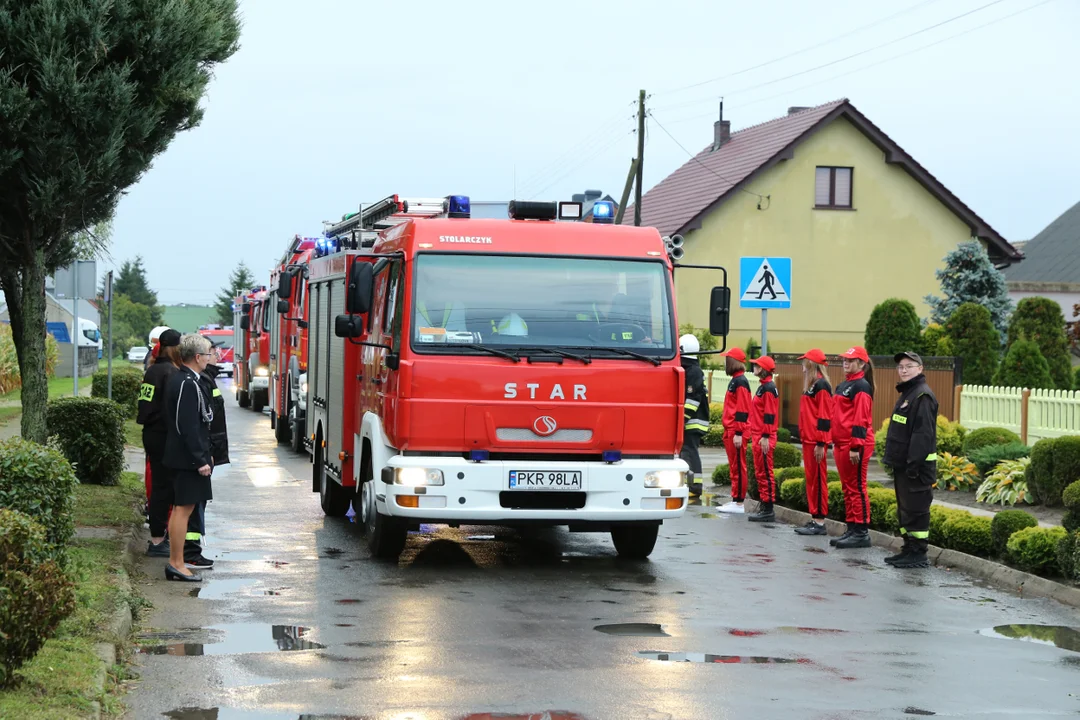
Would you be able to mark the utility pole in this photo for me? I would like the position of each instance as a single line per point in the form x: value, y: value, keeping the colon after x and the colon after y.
x: 109, y: 346
x: 640, y: 156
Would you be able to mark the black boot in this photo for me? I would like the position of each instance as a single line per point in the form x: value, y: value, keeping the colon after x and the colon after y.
x: 914, y: 559
x: 859, y: 538
x: 764, y: 514
x: 695, y: 489
x: 904, y: 552
x: 845, y: 536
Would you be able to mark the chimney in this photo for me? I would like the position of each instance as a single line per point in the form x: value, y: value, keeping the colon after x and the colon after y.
x: 721, y: 129
x: 796, y: 109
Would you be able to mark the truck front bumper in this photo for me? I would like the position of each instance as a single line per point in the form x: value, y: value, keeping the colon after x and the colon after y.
x: 260, y: 383
x: 480, y: 493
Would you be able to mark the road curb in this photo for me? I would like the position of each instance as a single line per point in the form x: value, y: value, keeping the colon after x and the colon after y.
x: 120, y: 622
x: 1002, y: 576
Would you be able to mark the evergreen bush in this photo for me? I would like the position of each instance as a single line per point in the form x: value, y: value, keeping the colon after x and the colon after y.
x: 37, y: 480
x: 881, y: 499
x: 793, y: 494
x: 938, y: 517
x: 970, y: 276
x: 1034, y: 549
x: 1041, y: 321
x: 987, y: 436
x: 970, y: 534
x: 1007, y: 522
x: 975, y: 340
x: 893, y: 327
x: 91, y: 433
x: 721, y: 475
x: 987, y: 458
x: 126, y: 384
x: 932, y: 335
x: 1066, y: 469
x: 1070, y: 497
x: 1024, y: 366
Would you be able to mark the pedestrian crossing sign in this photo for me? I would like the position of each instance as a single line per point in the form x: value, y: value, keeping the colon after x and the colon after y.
x: 765, y: 283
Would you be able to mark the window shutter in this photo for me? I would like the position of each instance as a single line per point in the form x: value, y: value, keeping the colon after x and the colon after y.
x: 843, y: 187
x: 821, y: 187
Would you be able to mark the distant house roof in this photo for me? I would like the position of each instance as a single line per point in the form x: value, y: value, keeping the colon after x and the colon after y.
x: 1052, y: 256
x: 681, y: 201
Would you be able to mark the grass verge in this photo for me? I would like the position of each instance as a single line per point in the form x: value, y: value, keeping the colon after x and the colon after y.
x: 10, y: 413
x: 133, y: 433
x: 59, y: 682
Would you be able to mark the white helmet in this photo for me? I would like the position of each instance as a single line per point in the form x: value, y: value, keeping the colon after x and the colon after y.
x: 689, y: 344
x: 512, y: 324
x: 156, y: 333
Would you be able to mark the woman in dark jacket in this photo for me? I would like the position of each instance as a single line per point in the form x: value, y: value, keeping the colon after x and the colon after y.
x: 187, y: 446
x: 219, y: 452
x: 155, y: 427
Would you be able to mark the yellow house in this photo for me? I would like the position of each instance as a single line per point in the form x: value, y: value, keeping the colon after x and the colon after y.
x: 860, y: 219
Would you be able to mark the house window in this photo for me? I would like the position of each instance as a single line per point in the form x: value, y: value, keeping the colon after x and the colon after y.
x: 832, y: 187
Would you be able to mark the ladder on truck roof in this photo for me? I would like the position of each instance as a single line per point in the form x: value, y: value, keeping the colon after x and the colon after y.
x: 364, y: 226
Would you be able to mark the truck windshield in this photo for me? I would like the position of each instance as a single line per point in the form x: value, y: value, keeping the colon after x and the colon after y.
x: 536, y: 302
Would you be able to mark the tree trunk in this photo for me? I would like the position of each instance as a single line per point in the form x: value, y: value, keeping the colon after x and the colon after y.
x: 28, y: 331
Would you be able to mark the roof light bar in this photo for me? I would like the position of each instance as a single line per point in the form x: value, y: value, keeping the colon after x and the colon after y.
x: 532, y: 210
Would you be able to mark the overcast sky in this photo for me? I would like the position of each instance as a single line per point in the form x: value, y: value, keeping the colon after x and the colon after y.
x: 333, y: 103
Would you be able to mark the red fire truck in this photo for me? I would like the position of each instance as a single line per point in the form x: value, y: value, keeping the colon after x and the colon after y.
x: 251, y: 349
x: 288, y: 340
x: 222, y: 340
x: 496, y: 372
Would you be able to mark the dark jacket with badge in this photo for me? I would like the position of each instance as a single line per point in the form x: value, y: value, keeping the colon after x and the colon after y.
x: 188, y: 414
x: 696, y: 405
x: 219, y: 434
x: 911, y: 443
x: 152, y: 406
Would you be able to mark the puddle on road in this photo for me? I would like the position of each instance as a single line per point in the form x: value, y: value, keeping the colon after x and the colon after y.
x: 220, y: 589
x: 236, y: 639
x: 718, y: 659
x: 194, y: 713
x: 633, y: 630
x: 1060, y: 636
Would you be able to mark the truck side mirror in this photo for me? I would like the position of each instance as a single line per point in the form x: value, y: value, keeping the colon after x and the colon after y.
x: 245, y: 323
x: 361, y: 287
x: 719, y: 311
x: 283, y: 306
x: 245, y: 308
x: 349, y: 326
x: 284, y: 288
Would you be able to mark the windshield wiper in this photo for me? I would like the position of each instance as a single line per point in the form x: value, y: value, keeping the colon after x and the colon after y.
x: 629, y: 353
x: 483, y: 348
x: 554, y: 351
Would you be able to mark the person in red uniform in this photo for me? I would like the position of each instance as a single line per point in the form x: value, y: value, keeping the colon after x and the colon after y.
x: 736, y: 422
x: 764, y: 411
x: 815, y: 433
x: 853, y: 444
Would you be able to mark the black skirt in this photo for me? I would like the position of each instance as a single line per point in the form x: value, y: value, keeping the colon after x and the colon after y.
x: 190, y: 488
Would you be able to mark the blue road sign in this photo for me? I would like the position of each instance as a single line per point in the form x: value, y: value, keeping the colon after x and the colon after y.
x: 764, y: 282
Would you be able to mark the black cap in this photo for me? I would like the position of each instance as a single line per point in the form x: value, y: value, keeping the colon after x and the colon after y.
x: 169, y: 338
x: 913, y: 356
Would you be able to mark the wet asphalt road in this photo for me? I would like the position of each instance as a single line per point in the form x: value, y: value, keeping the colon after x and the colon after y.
x: 297, y: 621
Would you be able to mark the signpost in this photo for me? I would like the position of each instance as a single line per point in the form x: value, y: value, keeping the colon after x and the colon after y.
x: 67, y: 281
x: 109, y: 346
x: 765, y: 283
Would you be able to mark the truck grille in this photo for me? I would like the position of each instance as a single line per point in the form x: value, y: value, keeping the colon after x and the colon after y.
x: 541, y: 500
x: 527, y: 435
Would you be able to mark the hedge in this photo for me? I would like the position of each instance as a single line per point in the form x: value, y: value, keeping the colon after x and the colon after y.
x: 970, y: 534
x: 721, y: 475
x: 1070, y: 497
x: 126, y: 383
x: 1034, y: 549
x: 1068, y: 556
x: 37, y: 480
x: 939, y: 516
x: 1071, y: 520
x: 1005, y: 524
x: 91, y: 433
x: 793, y: 494
x: 984, y: 437
x: 881, y: 499
x: 35, y: 594
x: 1055, y: 464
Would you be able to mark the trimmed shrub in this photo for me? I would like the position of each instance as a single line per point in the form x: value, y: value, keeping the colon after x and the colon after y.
x: 970, y: 534
x: 893, y: 327
x: 1066, y: 466
x: 786, y: 455
x: 37, y: 480
x: 1024, y: 366
x: 950, y: 436
x: 938, y: 517
x: 1068, y: 556
x: 1040, y: 472
x: 987, y: 458
x: 91, y: 432
x: 783, y: 435
x: 1007, y: 522
x: 836, y: 501
x: 714, y: 437
x: 974, y: 338
x: 881, y: 499
x: 1041, y: 321
x: 985, y: 437
x: 879, y: 445
x: 793, y: 494
x: 875, y: 484
x: 1070, y: 497
x: 892, y: 518
x: 1034, y: 549
x: 799, y: 473
x: 1071, y: 520
x: 932, y: 335
x: 35, y: 594
x: 721, y: 475
x: 126, y: 383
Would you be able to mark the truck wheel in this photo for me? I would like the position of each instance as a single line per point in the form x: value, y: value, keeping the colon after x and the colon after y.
x: 333, y: 497
x: 258, y: 401
x: 385, y: 535
x: 635, y: 542
x: 282, y: 431
x: 244, y: 398
x: 296, y: 436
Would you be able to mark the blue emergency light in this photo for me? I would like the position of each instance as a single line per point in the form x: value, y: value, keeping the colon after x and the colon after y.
x: 612, y: 456
x: 479, y: 455
x: 458, y: 206
x: 603, y: 212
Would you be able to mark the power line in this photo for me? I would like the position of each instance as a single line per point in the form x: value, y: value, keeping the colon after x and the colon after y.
x: 798, y: 52
x: 874, y: 64
x: 615, y: 140
x: 839, y: 60
x: 695, y: 159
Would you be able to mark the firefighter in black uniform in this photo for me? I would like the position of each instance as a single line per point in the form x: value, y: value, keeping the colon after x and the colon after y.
x: 695, y: 410
x: 911, y: 452
x: 219, y: 451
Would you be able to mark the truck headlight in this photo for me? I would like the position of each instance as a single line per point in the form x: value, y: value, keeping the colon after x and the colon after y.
x: 303, y: 388
x: 415, y: 476
x: 664, y: 479
x: 262, y: 371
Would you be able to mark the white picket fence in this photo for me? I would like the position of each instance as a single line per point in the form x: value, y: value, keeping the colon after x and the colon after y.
x: 1032, y: 414
x: 720, y: 380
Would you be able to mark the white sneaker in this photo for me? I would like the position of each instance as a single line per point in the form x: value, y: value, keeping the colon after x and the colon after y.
x: 733, y: 508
